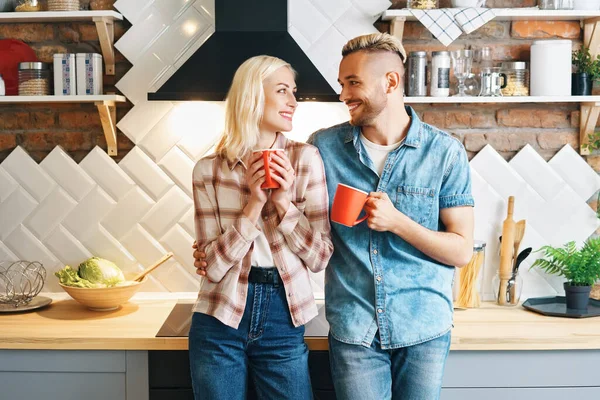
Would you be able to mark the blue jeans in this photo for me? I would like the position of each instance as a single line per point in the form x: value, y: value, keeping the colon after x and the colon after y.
x: 266, y: 348
x: 370, y: 373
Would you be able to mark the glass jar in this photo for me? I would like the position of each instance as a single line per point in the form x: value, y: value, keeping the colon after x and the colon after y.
x: 468, y: 279
x: 555, y: 4
x: 28, y: 5
x: 422, y: 4
x: 440, y: 74
x: 511, y: 289
x: 63, y: 5
x: 34, y: 79
x: 517, y: 78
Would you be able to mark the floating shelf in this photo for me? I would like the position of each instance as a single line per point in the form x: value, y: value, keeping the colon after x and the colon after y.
x: 591, y: 100
x: 106, y: 105
x: 104, y: 21
x: 514, y: 14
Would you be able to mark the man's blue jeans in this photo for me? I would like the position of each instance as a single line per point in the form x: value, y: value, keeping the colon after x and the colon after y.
x: 370, y: 373
x: 266, y: 348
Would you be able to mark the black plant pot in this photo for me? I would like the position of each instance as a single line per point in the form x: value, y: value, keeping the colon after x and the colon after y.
x: 581, y: 84
x: 577, y: 296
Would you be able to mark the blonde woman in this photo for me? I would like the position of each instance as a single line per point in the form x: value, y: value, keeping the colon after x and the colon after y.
x: 257, y: 245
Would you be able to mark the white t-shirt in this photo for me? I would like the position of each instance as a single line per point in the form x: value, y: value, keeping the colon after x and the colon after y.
x: 378, y: 153
x: 261, y: 255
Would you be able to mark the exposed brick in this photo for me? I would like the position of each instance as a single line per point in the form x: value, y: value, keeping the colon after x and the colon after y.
x: 458, y: 119
x: 45, y: 53
x: 594, y: 162
x: 46, y: 141
x: 42, y: 119
x: 14, y: 120
x: 78, y: 119
x: 493, y: 29
x: 416, y: 30
x: 69, y: 33
x: 556, y: 140
x: 509, y: 142
x: 533, y: 118
x: 435, y: 118
x: 88, y: 32
x: 545, y: 29
x: 511, y: 52
x: 575, y: 119
x: 480, y: 120
x: 27, y: 32
x: 475, y: 142
x: 8, y: 141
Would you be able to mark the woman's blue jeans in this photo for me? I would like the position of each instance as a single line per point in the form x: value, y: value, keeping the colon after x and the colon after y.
x: 266, y: 348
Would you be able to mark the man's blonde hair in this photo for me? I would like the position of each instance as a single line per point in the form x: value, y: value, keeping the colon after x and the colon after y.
x: 375, y: 42
x: 244, y: 106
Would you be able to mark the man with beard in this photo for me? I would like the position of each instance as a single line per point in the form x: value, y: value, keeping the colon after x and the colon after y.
x: 388, y: 285
x: 388, y: 290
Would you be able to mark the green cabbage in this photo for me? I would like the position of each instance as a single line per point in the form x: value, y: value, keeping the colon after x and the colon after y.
x: 94, y: 272
x: 98, y: 270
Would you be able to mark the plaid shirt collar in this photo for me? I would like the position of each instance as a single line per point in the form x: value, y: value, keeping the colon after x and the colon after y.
x: 280, y: 143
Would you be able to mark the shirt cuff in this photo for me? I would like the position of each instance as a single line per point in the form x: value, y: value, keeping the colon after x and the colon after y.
x: 289, y: 220
x: 247, y: 229
x: 457, y: 200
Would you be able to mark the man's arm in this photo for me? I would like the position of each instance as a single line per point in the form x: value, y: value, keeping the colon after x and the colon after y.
x: 454, y: 246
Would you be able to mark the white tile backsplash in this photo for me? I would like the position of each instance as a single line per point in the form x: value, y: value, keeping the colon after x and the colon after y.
x: 60, y: 212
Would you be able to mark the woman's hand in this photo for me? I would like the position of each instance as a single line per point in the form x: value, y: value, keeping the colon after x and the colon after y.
x: 285, y: 176
x: 255, y: 176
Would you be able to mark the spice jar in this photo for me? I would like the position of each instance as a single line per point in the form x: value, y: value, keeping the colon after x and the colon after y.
x: 28, y: 5
x: 34, y: 79
x: 468, y: 279
x: 517, y: 78
x: 440, y: 74
x: 417, y: 73
x: 422, y: 4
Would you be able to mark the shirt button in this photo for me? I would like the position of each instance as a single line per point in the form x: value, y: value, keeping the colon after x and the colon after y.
x: 379, y: 310
x: 290, y: 295
x: 378, y: 278
x: 265, y: 218
x: 375, y: 251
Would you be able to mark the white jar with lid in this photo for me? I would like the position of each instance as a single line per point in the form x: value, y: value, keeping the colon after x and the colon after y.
x: 440, y: 74
x: 550, y: 68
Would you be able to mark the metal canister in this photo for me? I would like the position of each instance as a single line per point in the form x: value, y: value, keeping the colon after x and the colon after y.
x: 417, y: 74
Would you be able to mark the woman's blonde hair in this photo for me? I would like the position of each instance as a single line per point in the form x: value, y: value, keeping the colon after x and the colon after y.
x: 244, y: 106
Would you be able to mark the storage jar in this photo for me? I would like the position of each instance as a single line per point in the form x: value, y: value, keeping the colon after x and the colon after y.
x: 440, y: 74
x: 422, y: 4
x: 517, y: 78
x: 34, y: 79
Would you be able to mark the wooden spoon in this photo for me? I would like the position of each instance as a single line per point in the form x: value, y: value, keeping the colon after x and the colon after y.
x: 151, y: 268
x: 519, y: 233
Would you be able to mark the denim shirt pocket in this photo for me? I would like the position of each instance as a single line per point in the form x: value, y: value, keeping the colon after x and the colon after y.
x: 415, y: 202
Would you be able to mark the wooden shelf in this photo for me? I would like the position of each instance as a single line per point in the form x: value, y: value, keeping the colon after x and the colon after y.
x: 106, y: 105
x: 592, y: 100
x: 515, y: 14
x: 104, y: 21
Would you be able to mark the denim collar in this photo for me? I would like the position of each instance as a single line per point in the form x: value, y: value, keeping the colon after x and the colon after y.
x: 280, y: 143
x: 413, y: 136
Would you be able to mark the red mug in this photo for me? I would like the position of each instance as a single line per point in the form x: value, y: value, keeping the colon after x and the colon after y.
x: 269, y: 182
x: 348, y: 202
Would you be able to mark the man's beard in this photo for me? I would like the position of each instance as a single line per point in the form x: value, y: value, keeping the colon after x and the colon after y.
x: 370, y: 111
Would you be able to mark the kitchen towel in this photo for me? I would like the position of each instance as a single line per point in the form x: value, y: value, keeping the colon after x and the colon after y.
x: 447, y: 24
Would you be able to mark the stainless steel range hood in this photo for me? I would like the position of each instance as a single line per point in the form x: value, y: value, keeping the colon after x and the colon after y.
x: 244, y: 28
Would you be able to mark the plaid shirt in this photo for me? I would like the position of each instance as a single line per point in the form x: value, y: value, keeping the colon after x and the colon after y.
x: 299, y: 241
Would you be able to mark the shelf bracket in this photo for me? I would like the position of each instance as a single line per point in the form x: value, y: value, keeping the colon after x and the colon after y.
x: 106, y: 35
x: 397, y: 27
x: 587, y: 124
x: 108, y: 118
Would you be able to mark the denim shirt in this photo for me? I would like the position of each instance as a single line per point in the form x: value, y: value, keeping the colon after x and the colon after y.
x: 376, y: 280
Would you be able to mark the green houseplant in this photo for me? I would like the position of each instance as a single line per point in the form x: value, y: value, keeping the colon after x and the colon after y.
x: 580, y: 267
x: 587, y: 71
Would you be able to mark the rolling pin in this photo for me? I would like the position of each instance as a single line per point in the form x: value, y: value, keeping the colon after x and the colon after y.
x: 506, y: 251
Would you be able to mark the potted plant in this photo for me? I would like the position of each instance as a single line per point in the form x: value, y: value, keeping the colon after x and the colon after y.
x: 580, y: 267
x: 587, y: 71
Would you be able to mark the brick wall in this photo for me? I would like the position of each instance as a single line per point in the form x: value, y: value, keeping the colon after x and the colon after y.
x: 38, y: 128
x: 547, y: 127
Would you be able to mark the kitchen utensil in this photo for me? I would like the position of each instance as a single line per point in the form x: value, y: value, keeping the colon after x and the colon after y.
x: 348, y: 202
x: 519, y: 233
x: 492, y: 82
x: 506, y: 250
x: 521, y: 257
x: 151, y: 268
x: 20, y: 281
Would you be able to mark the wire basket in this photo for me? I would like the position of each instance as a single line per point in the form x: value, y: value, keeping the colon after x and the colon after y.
x: 20, y: 281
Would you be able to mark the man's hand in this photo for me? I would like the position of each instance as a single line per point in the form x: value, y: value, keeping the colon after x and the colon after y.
x: 383, y: 216
x: 199, y: 262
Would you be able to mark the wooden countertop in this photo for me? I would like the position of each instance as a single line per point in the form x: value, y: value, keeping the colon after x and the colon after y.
x: 66, y: 325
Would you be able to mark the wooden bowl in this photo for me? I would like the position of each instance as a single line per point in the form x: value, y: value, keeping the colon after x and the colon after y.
x: 103, y: 299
